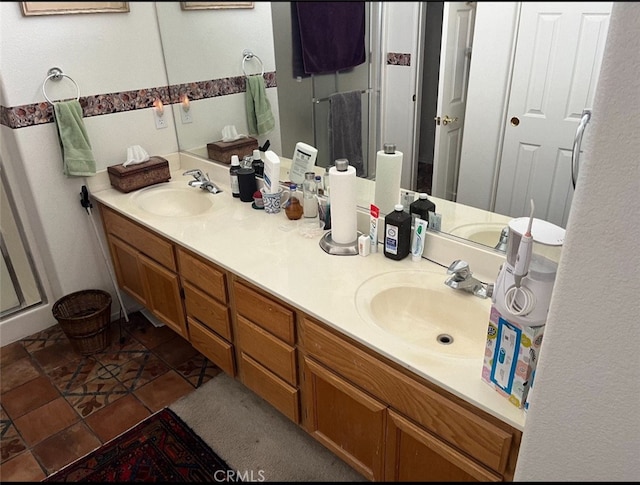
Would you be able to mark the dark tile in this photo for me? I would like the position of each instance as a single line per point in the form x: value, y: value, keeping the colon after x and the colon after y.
x: 18, y: 373
x: 96, y: 394
x: 11, y: 443
x: 137, y: 372
x: 44, y: 339
x: 12, y: 352
x: 120, y: 352
x: 149, y: 335
x: 198, y: 370
x: 117, y: 417
x: 45, y: 421
x: 65, y: 447
x: 163, y: 391
x: 22, y: 468
x: 27, y: 397
x: 55, y: 355
x: 72, y: 374
x: 175, y: 352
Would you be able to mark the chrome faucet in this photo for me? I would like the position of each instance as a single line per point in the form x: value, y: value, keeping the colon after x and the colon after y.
x: 202, y: 181
x: 502, y: 243
x: 462, y: 279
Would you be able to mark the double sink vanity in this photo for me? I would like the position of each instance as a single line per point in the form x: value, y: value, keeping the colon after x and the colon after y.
x: 377, y: 359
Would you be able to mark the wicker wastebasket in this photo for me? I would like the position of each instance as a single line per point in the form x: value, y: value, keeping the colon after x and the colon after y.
x: 84, y: 317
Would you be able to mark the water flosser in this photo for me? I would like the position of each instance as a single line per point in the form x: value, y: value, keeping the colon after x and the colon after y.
x: 523, y: 258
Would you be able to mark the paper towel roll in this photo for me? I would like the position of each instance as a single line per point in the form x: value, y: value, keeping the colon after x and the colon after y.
x: 344, y: 223
x: 388, y: 173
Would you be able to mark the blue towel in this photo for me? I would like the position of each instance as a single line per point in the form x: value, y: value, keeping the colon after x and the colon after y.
x: 345, y: 129
x: 259, y: 116
x: 77, y: 157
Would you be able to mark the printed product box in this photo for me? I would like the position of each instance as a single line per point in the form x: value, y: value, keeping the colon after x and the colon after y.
x: 510, y: 357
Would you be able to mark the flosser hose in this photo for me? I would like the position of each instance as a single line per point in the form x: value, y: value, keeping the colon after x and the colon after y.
x: 86, y: 203
x: 518, y: 299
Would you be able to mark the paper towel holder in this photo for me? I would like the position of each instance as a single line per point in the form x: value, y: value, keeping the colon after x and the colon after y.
x: 331, y: 247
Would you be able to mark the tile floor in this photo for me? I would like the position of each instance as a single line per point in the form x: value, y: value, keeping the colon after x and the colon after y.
x: 57, y: 405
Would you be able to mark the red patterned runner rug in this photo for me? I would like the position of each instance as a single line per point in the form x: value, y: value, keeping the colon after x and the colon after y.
x: 162, y: 448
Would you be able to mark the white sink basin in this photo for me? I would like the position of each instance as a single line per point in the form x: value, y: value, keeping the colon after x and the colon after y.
x: 420, y: 310
x: 173, y: 200
x: 487, y: 233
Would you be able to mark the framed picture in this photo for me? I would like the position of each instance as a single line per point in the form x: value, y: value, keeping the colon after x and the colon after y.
x: 59, y: 8
x: 214, y: 5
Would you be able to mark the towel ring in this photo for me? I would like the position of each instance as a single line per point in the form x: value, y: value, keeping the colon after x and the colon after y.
x: 248, y: 55
x: 56, y: 74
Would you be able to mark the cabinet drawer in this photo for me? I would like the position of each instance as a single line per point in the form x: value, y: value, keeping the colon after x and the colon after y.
x: 140, y: 238
x: 207, y: 310
x: 265, y: 312
x: 273, y: 389
x: 217, y: 350
x: 203, y: 275
x: 415, y: 455
x: 458, y: 426
x: 271, y: 352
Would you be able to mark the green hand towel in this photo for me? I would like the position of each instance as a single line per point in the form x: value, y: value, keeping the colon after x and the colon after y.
x: 259, y: 116
x: 77, y: 157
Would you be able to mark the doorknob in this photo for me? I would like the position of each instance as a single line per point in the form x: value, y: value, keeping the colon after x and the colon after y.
x: 445, y: 121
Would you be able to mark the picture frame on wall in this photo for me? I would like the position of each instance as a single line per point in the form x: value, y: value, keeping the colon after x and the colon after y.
x: 214, y: 5
x: 64, y: 8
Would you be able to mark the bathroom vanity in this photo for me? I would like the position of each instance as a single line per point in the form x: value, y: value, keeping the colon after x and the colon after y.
x: 273, y: 310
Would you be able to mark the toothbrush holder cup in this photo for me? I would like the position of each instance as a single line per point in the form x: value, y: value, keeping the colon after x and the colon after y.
x: 273, y: 203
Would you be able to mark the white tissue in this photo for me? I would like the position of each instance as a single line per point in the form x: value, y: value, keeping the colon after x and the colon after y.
x: 135, y: 154
x: 229, y: 133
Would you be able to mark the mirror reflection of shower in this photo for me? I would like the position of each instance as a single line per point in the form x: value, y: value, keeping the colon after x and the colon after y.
x: 21, y: 288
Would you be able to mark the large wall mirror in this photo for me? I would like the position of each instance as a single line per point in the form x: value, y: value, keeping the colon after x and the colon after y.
x: 519, y: 74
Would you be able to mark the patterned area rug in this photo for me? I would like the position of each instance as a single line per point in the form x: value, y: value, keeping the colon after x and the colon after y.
x: 162, y: 448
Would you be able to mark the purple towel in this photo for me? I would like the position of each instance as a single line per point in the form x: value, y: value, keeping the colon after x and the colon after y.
x: 331, y: 35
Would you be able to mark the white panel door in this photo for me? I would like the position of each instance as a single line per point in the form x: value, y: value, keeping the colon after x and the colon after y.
x: 556, y: 67
x: 455, y: 57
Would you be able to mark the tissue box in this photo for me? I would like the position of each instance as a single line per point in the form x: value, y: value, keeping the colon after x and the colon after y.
x: 221, y: 151
x: 133, y: 177
x: 510, y: 357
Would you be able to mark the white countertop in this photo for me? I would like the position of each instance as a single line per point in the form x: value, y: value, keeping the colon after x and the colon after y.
x: 267, y: 250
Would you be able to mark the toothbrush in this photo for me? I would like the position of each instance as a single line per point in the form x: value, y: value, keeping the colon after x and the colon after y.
x: 523, y: 258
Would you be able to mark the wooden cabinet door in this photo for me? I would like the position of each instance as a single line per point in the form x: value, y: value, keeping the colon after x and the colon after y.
x: 127, y: 269
x: 345, y: 419
x: 163, y: 294
x: 415, y: 455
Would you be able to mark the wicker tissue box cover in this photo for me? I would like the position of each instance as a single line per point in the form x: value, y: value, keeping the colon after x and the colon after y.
x: 221, y: 151
x: 153, y: 171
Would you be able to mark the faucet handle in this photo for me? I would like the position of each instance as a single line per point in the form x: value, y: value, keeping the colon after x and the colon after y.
x: 196, y: 172
x: 460, y: 269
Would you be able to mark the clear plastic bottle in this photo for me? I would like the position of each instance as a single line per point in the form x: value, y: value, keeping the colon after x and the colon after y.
x: 309, y: 191
x: 397, y: 233
x: 325, y: 181
x: 293, y: 209
x: 233, y: 174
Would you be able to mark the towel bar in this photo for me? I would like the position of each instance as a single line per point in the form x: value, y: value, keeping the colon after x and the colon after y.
x: 55, y: 74
x: 320, y: 100
x: 248, y: 55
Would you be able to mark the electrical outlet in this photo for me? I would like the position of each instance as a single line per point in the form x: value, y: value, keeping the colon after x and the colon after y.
x: 160, y: 120
x: 186, y: 117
